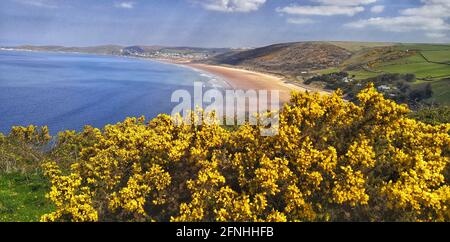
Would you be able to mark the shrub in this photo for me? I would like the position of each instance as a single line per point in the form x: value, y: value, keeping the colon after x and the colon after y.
x: 21, y: 150
x: 433, y: 115
x: 397, y: 87
x: 410, y: 77
x: 331, y: 161
x: 37, y: 136
x: 2, y: 138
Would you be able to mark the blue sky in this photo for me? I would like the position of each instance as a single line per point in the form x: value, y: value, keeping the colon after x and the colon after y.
x: 220, y: 23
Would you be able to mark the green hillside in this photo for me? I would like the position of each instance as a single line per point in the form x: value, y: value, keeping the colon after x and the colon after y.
x: 429, y: 62
x: 425, y: 61
x: 441, y: 91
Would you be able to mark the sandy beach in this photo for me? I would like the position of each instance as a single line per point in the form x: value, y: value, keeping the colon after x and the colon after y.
x: 245, y: 80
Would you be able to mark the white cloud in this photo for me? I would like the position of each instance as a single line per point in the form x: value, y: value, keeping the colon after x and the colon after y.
x: 345, y: 2
x: 231, y: 5
x: 38, y: 3
x: 436, y: 35
x: 323, y: 10
x: 300, y: 21
x: 431, y: 8
x: 377, y: 9
x: 127, y: 5
x: 431, y: 18
x: 402, y: 24
x: 328, y: 7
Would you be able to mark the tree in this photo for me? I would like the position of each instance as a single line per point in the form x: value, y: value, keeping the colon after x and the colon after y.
x: 410, y: 77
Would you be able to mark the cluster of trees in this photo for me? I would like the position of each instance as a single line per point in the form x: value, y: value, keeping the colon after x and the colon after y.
x: 394, y: 77
x: 397, y: 87
x: 330, y: 161
x: 400, y: 88
x: 333, y: 80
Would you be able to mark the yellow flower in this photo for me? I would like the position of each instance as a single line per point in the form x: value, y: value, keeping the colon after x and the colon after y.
x: 332, y: 160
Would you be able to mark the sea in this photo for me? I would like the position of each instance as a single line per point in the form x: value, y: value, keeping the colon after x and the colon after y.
x: 66, y: 91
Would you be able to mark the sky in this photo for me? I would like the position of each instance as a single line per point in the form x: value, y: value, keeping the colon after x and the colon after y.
x: 220, y: 23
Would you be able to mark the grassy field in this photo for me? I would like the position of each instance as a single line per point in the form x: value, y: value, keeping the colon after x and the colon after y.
x: 438, y: 56
x: 423, y: 47
x: 418, y: 65
x: 429, y: 62
x: 22, y: 197
x: 441, y: 92
x: 405, y: 58
x: 362, y: 74
x: 327, y: 71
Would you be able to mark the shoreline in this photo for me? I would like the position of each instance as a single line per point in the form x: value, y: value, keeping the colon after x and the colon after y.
x: 235, y: 77
x: 241, y: 79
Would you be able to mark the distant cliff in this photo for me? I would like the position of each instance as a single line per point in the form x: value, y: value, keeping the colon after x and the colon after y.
x: 102, y: 49
x: 163, y: 52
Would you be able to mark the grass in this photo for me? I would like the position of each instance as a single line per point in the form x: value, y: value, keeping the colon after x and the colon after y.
x: 410, y: 64
x: 22, y: 197
x: 328, y: 71
x: 425, y: 71
x: 424, y: 47
x: 441, y: 92
x: 362, y: 74
x: 438, y: 55
x: 417, y: 65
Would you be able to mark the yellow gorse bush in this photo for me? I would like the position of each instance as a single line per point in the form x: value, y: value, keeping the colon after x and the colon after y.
x: 31, y: 135
x: 331, y: 161
x: 21, y: 150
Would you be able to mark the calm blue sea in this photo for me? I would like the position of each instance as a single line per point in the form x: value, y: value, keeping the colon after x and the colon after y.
x: 68, y: 91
